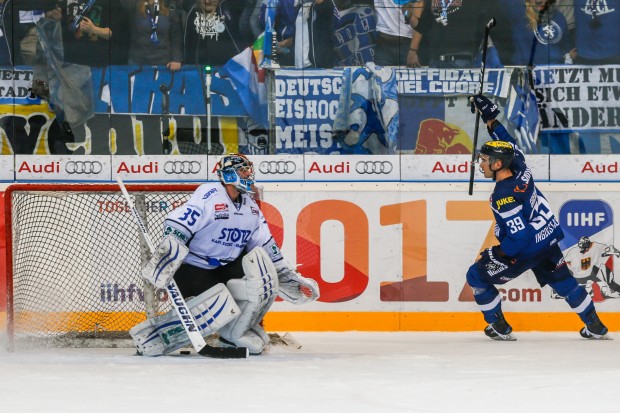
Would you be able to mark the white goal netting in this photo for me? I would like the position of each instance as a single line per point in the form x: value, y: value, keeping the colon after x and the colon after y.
x: 75, y: 257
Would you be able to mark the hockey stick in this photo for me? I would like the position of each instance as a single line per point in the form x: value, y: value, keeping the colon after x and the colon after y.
x: 165, y: 119
x: 208, y: 103
x: 472, y: 169
x: 178, y: 302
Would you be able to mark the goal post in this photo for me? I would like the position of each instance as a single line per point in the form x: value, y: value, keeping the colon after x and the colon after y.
x: 74, y: 255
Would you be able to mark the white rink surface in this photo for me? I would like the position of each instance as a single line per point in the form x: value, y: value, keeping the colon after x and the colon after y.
x: 333, y: 372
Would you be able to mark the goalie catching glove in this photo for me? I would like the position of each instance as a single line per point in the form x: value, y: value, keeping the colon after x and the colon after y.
x: 165, y: 261
x: 294, y: 287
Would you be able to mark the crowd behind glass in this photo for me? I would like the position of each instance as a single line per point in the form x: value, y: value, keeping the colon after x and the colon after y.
x: 313, y: 34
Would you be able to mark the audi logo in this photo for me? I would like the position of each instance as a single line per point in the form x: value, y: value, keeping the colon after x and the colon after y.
x: 374, y: 167
x: 277, y: 167
x: 182, y: 167
x: 83, y: 167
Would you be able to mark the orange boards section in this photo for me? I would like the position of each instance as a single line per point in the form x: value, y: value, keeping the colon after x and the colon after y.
x: 402, y: 321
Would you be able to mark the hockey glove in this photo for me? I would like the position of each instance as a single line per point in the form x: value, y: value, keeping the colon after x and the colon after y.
x: 488, y: 110
x: 494, y: 261
x: 166, y: 259
x: 296, y: 288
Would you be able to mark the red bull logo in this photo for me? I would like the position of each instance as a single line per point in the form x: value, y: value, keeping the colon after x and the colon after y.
x: 438, y: 137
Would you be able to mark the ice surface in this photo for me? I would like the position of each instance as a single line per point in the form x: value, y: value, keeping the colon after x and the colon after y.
x: 333, y: 372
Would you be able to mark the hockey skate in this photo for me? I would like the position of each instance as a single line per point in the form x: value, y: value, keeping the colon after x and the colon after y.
x: 594, y: 329
x: 500, y: 330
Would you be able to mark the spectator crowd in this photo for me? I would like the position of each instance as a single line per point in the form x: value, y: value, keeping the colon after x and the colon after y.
x: 311, y: 33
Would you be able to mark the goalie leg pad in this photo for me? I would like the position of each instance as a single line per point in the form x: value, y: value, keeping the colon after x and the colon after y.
x: 254, y: 293
x: 163, y: 334
x: 165, y: 261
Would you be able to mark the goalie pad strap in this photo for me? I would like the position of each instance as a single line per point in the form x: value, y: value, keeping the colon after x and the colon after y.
x: 163, y: 334
x: 165, y: 260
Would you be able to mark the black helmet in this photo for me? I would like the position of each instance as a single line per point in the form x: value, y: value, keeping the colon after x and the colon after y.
x: 583, y: 244
x: 501, y: 150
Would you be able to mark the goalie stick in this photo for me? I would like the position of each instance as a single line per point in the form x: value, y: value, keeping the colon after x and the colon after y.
x: 485, y: 43
x: 178, y: 302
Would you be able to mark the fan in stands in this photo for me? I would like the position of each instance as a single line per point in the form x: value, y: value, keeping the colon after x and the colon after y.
x: 224, y: 256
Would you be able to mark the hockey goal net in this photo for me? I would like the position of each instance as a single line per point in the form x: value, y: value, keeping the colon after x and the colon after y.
x: 74, y: 260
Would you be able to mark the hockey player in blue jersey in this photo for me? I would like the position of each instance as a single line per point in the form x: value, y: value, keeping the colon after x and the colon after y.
x: 528, y: 234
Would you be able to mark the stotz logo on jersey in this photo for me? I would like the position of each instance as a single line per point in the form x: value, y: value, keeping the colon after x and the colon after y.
x: 233, y: 236
x: 504, y: 201
x: 221, y: 207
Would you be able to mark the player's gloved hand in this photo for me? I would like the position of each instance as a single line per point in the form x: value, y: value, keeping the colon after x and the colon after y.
x: 495, y: 257
x: 488, y: 110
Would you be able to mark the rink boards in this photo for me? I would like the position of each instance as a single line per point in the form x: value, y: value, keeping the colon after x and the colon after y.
x: 393, y: 256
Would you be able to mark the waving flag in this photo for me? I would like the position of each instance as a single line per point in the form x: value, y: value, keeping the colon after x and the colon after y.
x: 367, y: 119
x: 248, y: 81
x: 522, y: 112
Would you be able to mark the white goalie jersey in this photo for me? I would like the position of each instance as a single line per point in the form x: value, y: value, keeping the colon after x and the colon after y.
x: 582, y: 264
x: 218, y: 230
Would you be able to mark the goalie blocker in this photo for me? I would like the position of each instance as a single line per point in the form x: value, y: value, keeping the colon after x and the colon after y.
x: 164, y: 262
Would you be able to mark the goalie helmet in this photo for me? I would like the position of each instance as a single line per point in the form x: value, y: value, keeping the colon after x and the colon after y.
x: 229, y: 167
x: 584, y: 243
x: 501, y: 150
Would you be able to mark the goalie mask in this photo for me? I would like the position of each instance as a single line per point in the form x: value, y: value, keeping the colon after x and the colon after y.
x: 237, y: 170
x: 584, y: 243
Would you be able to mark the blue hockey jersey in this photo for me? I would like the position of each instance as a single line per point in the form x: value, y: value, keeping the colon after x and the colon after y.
x: 525, y: 224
